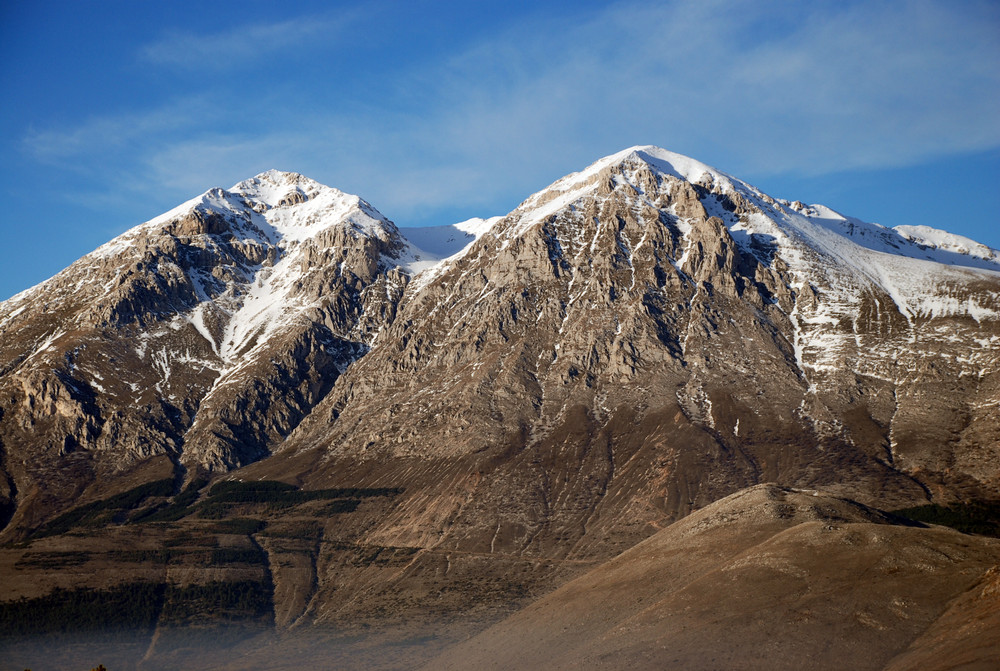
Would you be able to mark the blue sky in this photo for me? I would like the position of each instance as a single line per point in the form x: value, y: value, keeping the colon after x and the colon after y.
x: 114, y: 112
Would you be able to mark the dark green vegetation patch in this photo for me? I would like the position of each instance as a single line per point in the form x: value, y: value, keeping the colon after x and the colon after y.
x: 240, y: 525
x: 157, y: 556
x: 176, y: 509
x: 52, y: 559
x: 126, y: 607
x: 250, y: 555
x: 271, y: 491
x: 106, y: 510
x: 218, y: 505
x: 278, y: 495
x: 225, y: 600
x: 137, y: 606
x: 974, y: 517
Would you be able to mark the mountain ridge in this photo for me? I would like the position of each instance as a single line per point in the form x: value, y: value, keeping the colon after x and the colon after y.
x: 923, y: 236
x: 511, y: 400
x: 263, y: 221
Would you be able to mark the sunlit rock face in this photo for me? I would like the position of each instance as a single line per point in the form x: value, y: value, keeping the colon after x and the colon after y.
x: 649, y: 335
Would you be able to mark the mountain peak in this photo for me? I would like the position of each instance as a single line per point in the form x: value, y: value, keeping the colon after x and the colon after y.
x: 665, y: 161
x: 644, y: 159
x: 289, y: 204
x: 276, y: 188
x: 277, y: 176
x: 662, y: 160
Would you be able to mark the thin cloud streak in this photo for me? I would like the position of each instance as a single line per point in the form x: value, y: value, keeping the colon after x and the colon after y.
x: 242, y: 44
x: 99, y: 135
x: 853, y: 90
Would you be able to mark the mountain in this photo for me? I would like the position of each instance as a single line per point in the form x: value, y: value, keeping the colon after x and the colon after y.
x: 408, y: 426
x: 202, y: 336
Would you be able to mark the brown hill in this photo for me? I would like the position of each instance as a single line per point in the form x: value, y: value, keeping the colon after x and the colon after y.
x: 768, y: 578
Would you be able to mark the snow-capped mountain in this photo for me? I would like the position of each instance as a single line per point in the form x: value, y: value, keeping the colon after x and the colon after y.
x: 246, y: 300
x: 183, y: 313
x: 538, y: 391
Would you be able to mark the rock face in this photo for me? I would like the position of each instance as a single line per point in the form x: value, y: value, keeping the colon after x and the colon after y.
x: 629, y: 345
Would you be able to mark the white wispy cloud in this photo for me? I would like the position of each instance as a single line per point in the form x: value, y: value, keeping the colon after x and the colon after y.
x: 863, y: 85
x: 241, y: 44
x: 756, y: 90
x: 102, y: 134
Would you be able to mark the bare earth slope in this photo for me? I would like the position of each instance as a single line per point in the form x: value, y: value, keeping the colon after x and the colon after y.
x: 966, y: 636
x: 768, y: 578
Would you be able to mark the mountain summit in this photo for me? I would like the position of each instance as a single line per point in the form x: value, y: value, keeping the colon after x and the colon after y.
x: 509, y: 400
